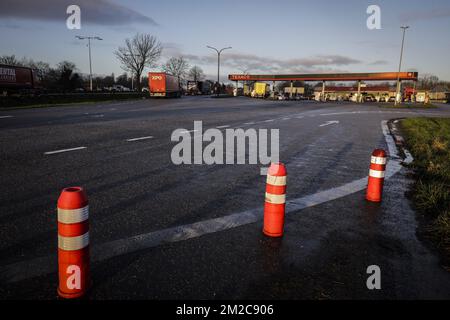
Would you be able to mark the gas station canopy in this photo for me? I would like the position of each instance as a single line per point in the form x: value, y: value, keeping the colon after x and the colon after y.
x: 380, y: 76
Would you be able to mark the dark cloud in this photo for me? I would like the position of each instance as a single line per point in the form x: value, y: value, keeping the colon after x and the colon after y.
x: 379, y: 63
x: 324, y: 60
x: 100, y: 12
x: 437, y: 13
x: 255, y: 63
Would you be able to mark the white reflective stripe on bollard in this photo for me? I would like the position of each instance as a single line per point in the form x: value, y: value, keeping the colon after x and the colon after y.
x: 378, y: 160
x: 70, y: 216
x: 73, y: 243
x: 276, y: 180
x: 275, y: 198
x: 376, y: 174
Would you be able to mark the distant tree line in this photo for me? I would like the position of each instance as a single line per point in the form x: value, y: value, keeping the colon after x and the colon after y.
x: 140, y: 52
x: 63, y: 77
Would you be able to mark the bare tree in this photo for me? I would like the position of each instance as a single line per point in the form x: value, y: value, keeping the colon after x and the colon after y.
x: 9, y: 60
x: 196, y: 73
x: 42, y: 68
x: 244, y: 70
x: 428, y: 81
x: 177, y: 67
x: 143, y: 50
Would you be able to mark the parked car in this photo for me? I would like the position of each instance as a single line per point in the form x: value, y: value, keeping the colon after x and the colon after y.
x: 120, y: 88
x: 391, y: 99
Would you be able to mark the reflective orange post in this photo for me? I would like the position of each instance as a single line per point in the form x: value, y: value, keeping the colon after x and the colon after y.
x: 73, y: 243
x: 275, y: 201
x: 376, y: 176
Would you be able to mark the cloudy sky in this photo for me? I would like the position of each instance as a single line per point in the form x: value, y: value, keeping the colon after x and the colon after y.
x: 267, y: 36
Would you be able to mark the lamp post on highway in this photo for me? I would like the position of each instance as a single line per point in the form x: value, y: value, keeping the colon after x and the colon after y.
x: 218, y: 63
x: 397, y: 96
x: 89, y: 38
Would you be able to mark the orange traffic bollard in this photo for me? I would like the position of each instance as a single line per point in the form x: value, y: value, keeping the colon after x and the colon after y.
x: 275, y: 203
x: 376, y: 176
x: 73, y: 243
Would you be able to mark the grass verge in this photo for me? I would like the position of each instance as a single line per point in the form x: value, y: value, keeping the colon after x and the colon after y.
x: 70, y: 104
x: 53, y: 100
x: 428, y: 139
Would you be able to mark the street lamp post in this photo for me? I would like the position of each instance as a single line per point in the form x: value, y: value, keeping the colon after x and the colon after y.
x: 218, y: 63
x: 398, y: 97
x: 89, y: 38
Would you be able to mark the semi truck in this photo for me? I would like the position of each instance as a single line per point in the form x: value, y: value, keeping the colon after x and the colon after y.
x: 260, y: 90
x: 247, y: 90
x: 198, y: 88
x: 296, y: 91
x: 15, y: 79
x: 206, y: 87
x: 193, y: 88
x: 164, y: 85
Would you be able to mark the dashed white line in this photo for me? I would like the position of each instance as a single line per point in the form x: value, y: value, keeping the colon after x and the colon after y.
x: 64, y: 150
x: 270, y: 120
x: 222, y: 127
x: 328, y: 123
x: 5, y: 117
x: 139, y: 139
x: 188, y: 131
x: 249, y: 123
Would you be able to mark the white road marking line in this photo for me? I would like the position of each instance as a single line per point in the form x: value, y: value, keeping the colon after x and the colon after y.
x: 384, y: 112
x: 249, y: 123
x: 5, y: 117
x: 64, y: 150
x: 329, y: 123
x: 270, y: 120
x: 45, y: 265
x: 188, y: 131
x: 140, y: 138
x: 284, y: 119
x: 222, y: 127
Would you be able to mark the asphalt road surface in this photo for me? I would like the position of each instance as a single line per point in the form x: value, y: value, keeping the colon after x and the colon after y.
x: 165, y: 231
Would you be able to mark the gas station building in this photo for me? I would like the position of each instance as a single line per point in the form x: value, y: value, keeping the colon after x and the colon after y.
x: 359, y: 78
